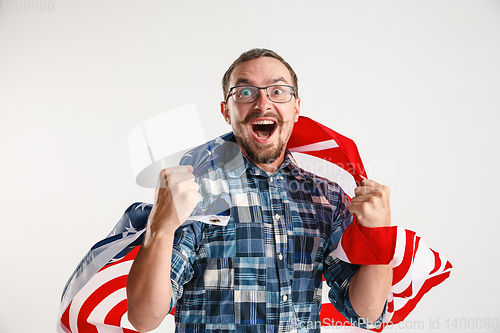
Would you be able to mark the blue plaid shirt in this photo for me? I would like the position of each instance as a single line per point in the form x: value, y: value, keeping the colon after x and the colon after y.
x: 262, y: 272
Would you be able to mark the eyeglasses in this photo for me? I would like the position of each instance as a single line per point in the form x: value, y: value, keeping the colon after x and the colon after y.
x: 248, y: 94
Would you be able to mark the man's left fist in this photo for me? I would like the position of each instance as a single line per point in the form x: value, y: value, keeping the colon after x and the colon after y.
x: 371, y: 204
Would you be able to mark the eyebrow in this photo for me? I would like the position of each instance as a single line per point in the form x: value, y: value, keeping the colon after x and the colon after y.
x: 243, y: 81
x: 279, y: 80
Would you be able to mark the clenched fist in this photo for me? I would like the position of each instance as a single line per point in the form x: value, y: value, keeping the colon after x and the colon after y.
x: 371, y: 204
x: 176, y: 197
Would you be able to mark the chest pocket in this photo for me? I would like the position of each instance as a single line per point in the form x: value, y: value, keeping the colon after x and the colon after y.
x: 307, y: 276
x: 246, y: 207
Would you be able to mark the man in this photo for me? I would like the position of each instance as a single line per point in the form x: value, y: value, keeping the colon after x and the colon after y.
x: 262, y: 272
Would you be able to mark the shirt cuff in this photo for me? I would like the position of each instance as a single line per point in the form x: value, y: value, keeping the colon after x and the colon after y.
x: 362, y: 322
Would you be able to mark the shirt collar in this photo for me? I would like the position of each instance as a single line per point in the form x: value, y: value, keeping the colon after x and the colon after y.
x: 289, y: 165
x: 236, y: 163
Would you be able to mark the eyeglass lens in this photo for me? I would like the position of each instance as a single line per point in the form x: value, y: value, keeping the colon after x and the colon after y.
x: 248, y: 94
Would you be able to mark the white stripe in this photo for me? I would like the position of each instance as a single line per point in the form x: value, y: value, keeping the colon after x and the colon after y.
x: 399, y: 258
x: 339, y: 252
x: 324, y: 293
x: 422, y: 263
x: 98, y: 280
x: 419, y: 270
x: 126, y: 324
x: 316, y: 146
x: 102, y: 328
x: 94, y: 261
x: 102, y: 309
x: 418, y: 273
x: 326, y: 169
x: 399, y: 252
x: 208, y: 219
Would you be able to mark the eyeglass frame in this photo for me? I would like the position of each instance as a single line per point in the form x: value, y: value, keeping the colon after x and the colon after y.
x: 230, y: 92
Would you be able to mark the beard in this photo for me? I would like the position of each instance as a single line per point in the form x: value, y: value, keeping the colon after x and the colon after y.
x: 263, y: 154
x: 259, y: 153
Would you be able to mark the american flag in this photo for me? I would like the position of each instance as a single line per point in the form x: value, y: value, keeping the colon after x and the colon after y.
x: 94, y: 298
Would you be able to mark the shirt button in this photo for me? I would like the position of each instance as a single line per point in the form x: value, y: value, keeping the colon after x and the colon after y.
x: 271, y: 179
x: 277, y: 217
x: 285, y: 298
x: 280, y: 256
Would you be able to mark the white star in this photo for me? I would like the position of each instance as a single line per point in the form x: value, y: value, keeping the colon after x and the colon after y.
x: 142, y: 205
x: 129, y: 229
x: 219, y: 141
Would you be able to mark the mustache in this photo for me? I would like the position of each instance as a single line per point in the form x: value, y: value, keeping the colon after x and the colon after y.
x: 256, y: 115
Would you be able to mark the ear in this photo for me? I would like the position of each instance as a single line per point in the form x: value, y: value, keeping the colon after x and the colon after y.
x: 297, y: 109
x: 225, y: 112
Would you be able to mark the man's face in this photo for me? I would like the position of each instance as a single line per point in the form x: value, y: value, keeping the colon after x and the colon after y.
x: 262, y: 128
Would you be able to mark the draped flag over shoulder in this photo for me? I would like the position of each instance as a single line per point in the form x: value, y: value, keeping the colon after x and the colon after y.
x: 94, y: 298
x: 416, y: 267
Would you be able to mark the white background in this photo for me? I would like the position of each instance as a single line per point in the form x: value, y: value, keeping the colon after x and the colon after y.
x: 415, y: 83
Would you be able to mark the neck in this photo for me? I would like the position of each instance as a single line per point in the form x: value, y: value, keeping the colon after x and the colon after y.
x: 257, y: 159
x: 270, y: 167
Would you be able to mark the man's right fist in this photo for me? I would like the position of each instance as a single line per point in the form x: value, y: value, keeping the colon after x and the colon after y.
x: 176, y: 197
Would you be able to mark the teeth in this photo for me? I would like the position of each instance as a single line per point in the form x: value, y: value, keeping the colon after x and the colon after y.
x: 264, y: 122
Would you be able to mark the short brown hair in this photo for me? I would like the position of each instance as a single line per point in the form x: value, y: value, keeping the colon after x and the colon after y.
x: 254, y: 54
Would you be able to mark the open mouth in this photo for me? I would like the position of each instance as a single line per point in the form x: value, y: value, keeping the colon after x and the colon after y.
x: 263, y: 129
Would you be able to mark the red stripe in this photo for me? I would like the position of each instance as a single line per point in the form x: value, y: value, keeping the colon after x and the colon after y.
x: 94, y: 299
x: 114, y: 316
x: 390, y: 307
x: 65, y: 320
x: 307, y: 131
x: 402, y: 313
x: 415, y: 246
x: 399, y: 272
x: 406, y: 293
x: 351, y: 152
x: 437, y: 261
x: 369, y: 246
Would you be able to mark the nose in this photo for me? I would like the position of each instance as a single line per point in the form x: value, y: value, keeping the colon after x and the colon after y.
x: 262, y: 102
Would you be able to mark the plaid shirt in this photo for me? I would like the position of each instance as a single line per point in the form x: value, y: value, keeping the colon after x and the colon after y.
x: 262, y: 272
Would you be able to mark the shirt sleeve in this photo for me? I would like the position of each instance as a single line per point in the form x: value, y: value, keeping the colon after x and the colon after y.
x: 186, y: 243
x: 338, y: 273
